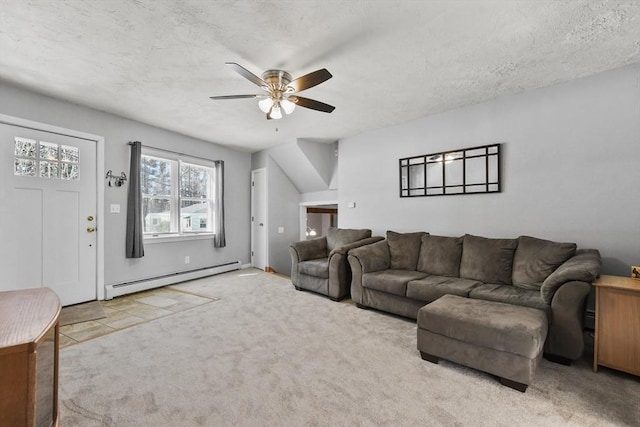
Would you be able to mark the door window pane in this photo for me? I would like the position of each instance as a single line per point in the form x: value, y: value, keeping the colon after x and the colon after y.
x: 69, y: 154
x: 69, y: 171
x: 25, y: 167
x: 48, y: 169
x: 48, y: 151
x: 45, y: 159
x: 25, y: 147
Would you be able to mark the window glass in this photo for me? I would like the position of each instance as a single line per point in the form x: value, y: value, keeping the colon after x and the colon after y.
x: 171, y: 206
x: 45, y: 159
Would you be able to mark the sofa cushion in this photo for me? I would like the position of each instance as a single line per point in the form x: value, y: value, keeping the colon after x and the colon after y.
x: 315, y: 267
x: 341, y: 236
x: 440, y: 255
x: 509, y: 295
x: 433, y: 287
x: 535, y: 259
x: 390, y: 281
x: 404, y: 249
x: 487, y: 260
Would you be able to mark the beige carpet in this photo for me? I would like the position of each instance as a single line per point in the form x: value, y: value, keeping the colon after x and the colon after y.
x: 267, y: 355
x: 81, y: 313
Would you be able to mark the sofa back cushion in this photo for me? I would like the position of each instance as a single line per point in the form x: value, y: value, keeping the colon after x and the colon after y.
x: 535, y: 259
x: 404, y: 249
x: 440, y: 255
x: 337, y: 237
x: 487, y: 260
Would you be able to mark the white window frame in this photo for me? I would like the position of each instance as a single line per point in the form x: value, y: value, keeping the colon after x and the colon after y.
x: 176, y: 221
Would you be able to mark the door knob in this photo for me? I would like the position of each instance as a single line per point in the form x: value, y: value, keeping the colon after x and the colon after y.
x: 91, y: 229
x: 261, y: 224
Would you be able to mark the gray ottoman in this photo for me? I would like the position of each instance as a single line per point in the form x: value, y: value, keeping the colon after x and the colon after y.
x: 501, y: 339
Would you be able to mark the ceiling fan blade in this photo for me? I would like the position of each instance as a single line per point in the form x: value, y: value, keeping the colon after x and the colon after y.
x: 310, y: 80
x: 246, y: 74
x: 236, y: 96
x: 312, y: 104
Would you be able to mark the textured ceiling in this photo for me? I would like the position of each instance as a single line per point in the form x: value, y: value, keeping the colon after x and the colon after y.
x: 392, y: 61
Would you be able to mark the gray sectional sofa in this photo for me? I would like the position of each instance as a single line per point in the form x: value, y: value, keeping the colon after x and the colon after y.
x: 408, y: 270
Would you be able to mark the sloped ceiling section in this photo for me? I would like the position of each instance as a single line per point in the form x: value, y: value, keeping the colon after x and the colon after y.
x: 309, y: 164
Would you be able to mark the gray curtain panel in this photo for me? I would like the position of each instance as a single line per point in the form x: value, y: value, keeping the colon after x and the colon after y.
x: 219, y: 240
x: 135, y: 247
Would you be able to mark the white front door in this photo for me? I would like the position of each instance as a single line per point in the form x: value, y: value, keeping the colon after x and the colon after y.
x: 259, y: 218
x: 48, y: 213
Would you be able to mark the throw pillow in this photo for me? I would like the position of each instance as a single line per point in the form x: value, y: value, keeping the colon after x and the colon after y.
x: 487, y: 260
x: 404, y: 249
x: 536, y: 259
x: 440, y: 255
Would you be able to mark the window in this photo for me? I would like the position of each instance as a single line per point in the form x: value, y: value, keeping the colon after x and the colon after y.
x: 45, y: 159
x: 177, y: 194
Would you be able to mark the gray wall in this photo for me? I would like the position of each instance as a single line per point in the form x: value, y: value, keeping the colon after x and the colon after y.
x: 571, y: 157
x: 283, y: 201
x: 160, y: 258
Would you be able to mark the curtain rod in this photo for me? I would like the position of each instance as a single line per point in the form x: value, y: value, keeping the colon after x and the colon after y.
x: 174, y: 152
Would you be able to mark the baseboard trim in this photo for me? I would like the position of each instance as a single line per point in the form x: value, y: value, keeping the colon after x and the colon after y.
x: 119, y: 289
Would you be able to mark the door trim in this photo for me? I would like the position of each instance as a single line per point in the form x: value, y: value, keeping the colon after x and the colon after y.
x: 99, y: 140
x: 266, y: 220
x: 303, y: 214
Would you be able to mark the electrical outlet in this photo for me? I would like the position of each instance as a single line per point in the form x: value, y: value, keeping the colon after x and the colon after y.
x: 114, y: 208
x: 187, y: 260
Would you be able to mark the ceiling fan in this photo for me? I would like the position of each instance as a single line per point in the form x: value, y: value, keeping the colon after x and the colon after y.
x: 281, y: 90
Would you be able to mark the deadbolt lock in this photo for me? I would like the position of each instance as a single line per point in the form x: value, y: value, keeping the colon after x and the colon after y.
x: 89, y: 218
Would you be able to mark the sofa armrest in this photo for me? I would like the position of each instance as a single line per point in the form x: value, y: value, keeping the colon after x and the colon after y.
x: 310, y: 249
x: 584, y: 266
x: 372, y: 257
x: 565, y: 338
x: 346, y: 248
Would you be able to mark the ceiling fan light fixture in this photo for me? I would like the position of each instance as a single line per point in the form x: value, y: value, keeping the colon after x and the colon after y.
x: 287, y: 106
x: 265, y: 105
x: 275, y: 113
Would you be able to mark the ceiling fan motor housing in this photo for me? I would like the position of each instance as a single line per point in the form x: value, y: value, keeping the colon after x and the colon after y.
x: 277, y: 79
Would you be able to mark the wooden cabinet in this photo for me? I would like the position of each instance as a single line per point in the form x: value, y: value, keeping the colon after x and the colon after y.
x: 29, y: 358
x: 617, y: 343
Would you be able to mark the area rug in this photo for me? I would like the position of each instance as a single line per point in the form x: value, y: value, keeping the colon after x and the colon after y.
x: 268, y: 355
x: 81, y: 313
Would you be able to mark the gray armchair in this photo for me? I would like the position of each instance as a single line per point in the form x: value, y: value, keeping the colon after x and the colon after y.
x: 320, y: 265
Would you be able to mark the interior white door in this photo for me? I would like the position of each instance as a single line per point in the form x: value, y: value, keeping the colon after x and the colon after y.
x: 259, y: 218
x: 48, y: 213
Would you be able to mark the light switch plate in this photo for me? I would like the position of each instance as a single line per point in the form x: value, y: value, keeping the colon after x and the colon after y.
x: 280, y: 230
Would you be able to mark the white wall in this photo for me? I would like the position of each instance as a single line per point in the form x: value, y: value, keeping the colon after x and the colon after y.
x: 160, y: 258
x: 571, y: 169
x: 283, y: 202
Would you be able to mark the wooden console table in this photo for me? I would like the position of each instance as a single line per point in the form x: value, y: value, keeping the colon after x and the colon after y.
x: 617, y: 341
x: 29, y: 346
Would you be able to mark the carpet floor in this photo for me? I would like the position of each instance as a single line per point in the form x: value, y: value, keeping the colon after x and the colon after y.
x: 268, y: 355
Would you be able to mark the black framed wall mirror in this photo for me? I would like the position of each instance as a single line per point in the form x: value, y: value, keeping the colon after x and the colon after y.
x: 465, y: 171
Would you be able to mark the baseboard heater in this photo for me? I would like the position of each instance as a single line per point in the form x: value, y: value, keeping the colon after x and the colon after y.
x: 111, y: 291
